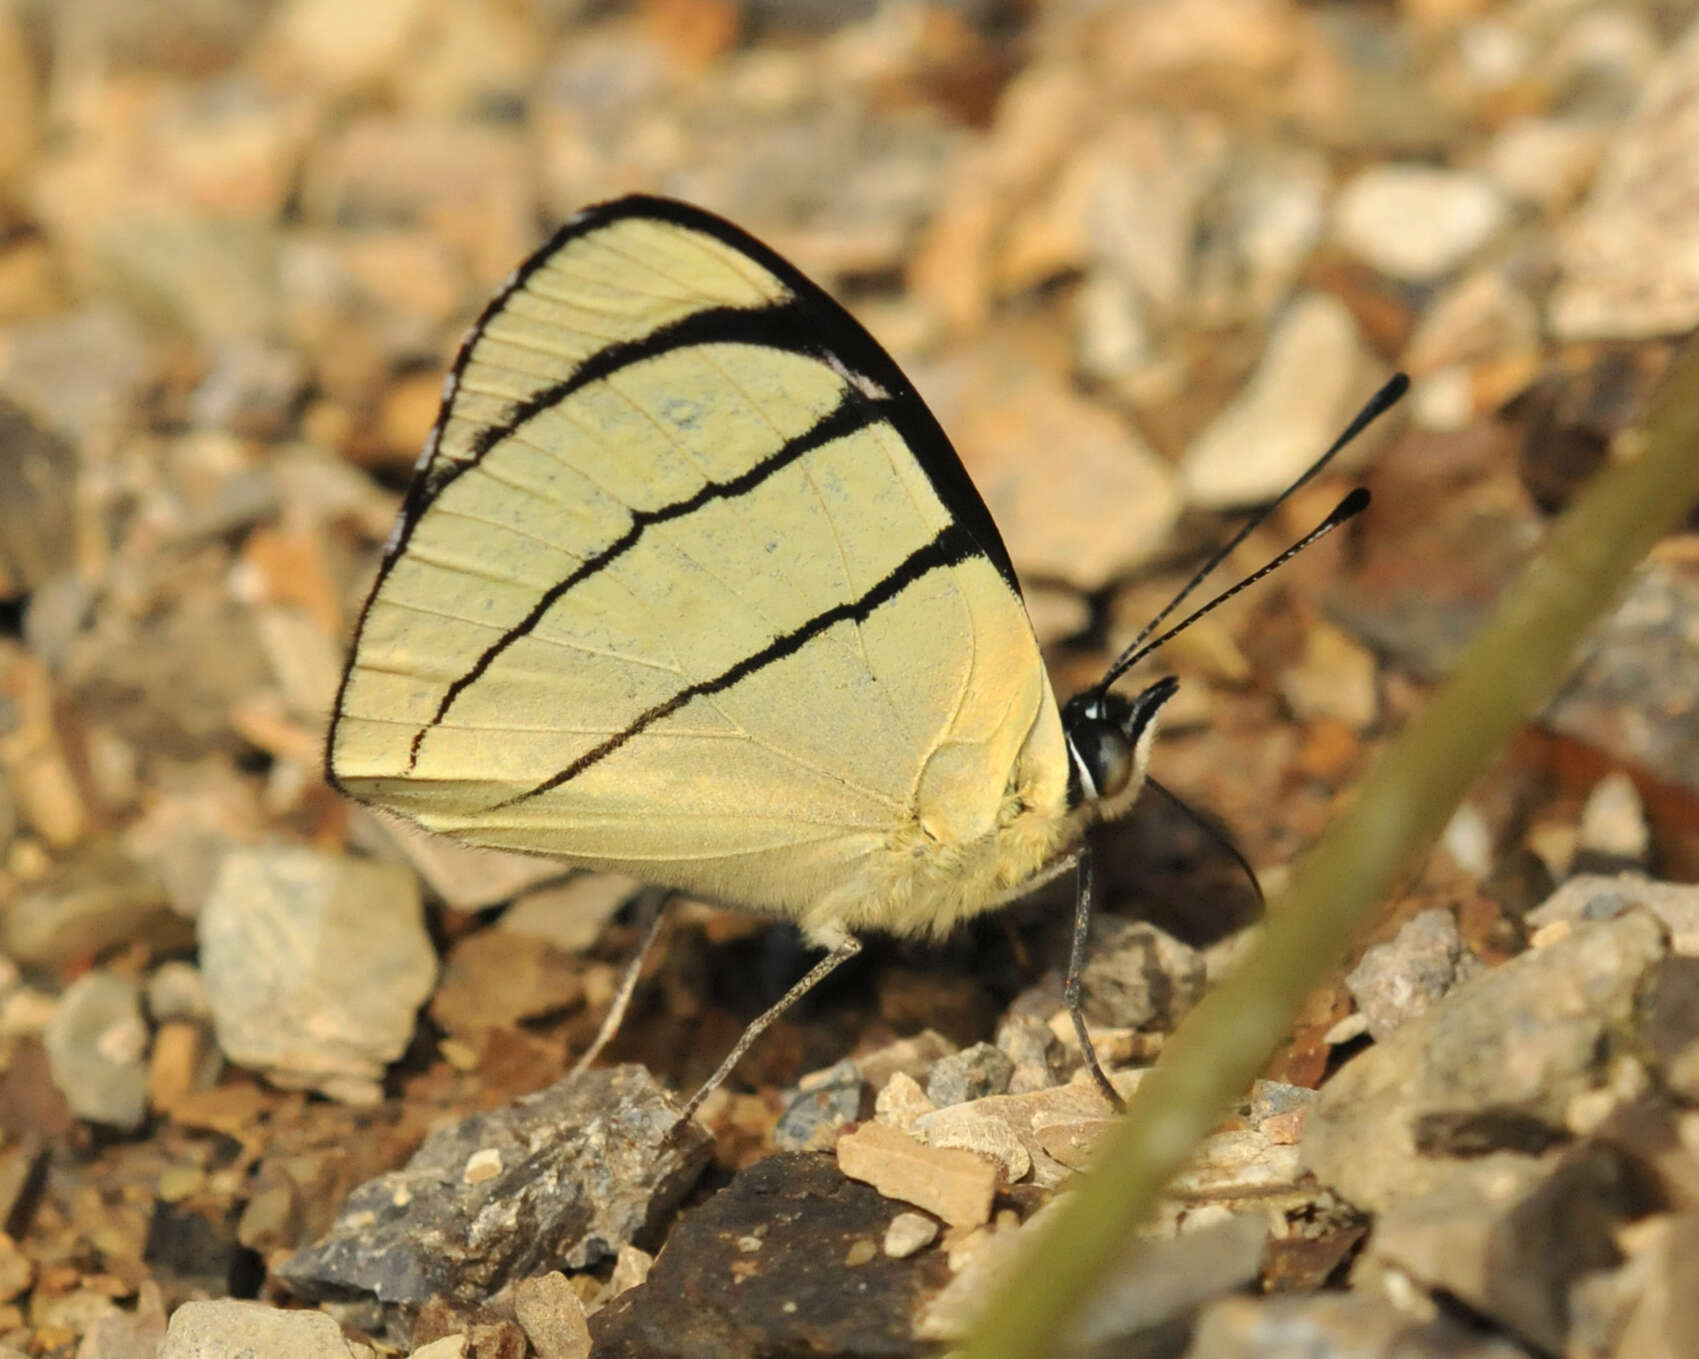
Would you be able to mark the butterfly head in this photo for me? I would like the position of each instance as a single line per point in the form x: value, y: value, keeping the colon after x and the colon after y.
x: 1109, y: 737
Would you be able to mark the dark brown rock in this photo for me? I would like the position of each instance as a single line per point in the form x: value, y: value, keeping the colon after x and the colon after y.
x: 761, y: 1271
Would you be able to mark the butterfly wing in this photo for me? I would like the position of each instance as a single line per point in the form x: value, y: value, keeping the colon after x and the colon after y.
x: 690, y: 583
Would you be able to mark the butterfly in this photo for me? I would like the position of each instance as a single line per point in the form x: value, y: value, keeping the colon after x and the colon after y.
x: 689, y: 584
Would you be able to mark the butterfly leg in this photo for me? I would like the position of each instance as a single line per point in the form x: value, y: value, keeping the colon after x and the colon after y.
x: 841, y: 948
x: 1086, y: 892
x: 648, y: 913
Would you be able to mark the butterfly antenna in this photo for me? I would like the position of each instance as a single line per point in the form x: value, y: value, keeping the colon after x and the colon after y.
x: 1348, y: 508
x: 1376, y: 406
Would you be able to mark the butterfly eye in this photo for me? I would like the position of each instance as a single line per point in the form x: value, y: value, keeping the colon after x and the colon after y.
x: 1104, y: 754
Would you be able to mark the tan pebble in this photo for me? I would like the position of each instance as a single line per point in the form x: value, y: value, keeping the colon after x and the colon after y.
x: 1551, y: 933
x: 1637, y: 1237
x: 458, y: 1053
x: 17, y: 1270
x: 631, y: 1267
x: 179, y: 1048
x: 955, y: 1185
x: 901, y: 1102
x: 444, y: 1347
x: 1352, y: 1027
x: 552, y: 1316
x: 48, y: 797
x: 860, y: 1252
x: 481, y: 1165
x: 1284, y: 1129
x: 908, y: 1233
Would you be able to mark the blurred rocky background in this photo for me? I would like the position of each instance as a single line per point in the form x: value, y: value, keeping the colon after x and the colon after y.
x: 275, y: 1074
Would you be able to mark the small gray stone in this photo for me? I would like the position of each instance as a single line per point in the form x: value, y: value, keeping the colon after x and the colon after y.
x: 972, y: 1073
x: 1486, y: 1072
x: 557, y: 1180
x: 97, y: 1045
x: 1040, y: 1059
x: 1398, y: 980
x: 825, y: 1100
x: 1138, y: 976
x: 1270, y: 1099
x: 217, y: 1330
x: 315, y: 966
x: 1630, y: 693
x: 1669, y: 1024
x: 176, y: 991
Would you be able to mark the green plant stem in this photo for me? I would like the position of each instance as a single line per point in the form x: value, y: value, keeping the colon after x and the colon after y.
x: 1510, y: 668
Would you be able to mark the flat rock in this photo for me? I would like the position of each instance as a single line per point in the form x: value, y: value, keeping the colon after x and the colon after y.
x: 1663, y: 1321
x: 228, y: 1326
x: 1335, y: 1326
x: 1156, y: 1281
x: 97, y: 1043
x: 557, y: 1180
x: 1514, y: 1258
x: 95, y: 902
x: 497, y: 977
x: 957, y: 1186
x: 762, y: 1271
x: 1417, y: 223
x: 1102, y: 505
x: 1592, y: 897
x: 1487, y: 1072
x: 76, y: 371
x: 1628, y: 267
x: 315, y: 966
x: 462, y: 876
x: 571, y: 915
x: 1314, y: 374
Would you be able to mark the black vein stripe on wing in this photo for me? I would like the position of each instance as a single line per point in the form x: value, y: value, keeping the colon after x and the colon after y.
x: 951, y: 546
x: 853, y: 413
